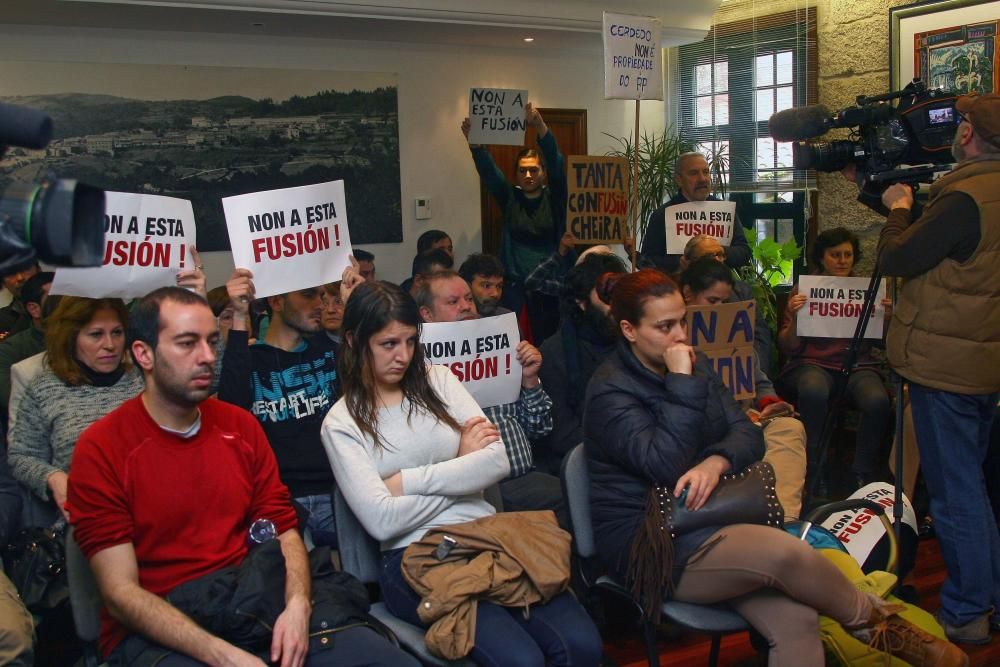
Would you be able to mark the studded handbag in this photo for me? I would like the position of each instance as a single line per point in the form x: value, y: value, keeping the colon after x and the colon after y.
x: 747, y: 496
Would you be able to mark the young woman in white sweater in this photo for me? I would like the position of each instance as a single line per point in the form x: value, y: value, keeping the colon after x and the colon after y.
x: 411, y: 450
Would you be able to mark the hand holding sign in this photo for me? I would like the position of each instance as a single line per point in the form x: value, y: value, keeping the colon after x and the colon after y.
x: 477, y: 433
x: 531, y: 364
x: 349, y: 279
x: 533, y: 118
x: 241, y: 292
x: 193, y: 279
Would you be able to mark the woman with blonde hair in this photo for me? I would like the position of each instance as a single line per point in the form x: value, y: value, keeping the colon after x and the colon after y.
x: 86, y: 375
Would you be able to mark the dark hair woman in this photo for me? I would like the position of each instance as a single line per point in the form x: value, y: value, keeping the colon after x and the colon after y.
x: 813, y: 363
x: 657, y: 416
x: 411, y: 450
x: 86, y: 376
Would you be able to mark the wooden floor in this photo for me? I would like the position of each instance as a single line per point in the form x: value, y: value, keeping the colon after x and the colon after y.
x: 692, y: 650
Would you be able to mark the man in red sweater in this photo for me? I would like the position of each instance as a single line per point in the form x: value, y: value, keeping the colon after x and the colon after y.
x: 165, y: 489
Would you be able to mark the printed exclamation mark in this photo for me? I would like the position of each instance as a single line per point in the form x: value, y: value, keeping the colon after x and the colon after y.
x: 182, y: 255
x: 336, y: 234
x: 508, y: 363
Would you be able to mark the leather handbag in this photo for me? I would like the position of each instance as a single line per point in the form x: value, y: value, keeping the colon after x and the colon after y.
x: 747, y: 496
x: 35, y: 562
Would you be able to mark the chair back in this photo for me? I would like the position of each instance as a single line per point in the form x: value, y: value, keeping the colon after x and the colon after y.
x: 84, y: 596
x: 576, y: 487
x: 359, y: 552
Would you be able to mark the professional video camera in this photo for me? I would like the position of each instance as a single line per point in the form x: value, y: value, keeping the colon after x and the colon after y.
x: 906, y: 143
x: 58, y: 221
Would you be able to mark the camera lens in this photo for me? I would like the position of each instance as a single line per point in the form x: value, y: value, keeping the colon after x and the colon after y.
x: 63, y: 220
x: 824, y: 155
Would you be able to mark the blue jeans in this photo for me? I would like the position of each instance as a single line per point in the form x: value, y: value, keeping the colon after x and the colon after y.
x: 556, y: 633
x: 953, y: 436
x: 320, y: 522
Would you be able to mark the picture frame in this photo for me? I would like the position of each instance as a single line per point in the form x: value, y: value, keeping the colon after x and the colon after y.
x: 951, y: 44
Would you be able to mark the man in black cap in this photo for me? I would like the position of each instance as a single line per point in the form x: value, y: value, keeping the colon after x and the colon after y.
x: 944, y: 339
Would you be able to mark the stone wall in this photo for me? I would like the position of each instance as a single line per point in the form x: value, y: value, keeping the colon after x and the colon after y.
x: 853, y: 41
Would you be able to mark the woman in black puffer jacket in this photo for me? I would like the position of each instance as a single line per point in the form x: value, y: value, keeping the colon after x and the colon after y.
x: 656, y: 415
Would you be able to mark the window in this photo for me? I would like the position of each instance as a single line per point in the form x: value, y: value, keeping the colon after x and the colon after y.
x: 727, y: 87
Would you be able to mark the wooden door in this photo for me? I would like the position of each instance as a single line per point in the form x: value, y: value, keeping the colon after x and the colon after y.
x: 568, y: 126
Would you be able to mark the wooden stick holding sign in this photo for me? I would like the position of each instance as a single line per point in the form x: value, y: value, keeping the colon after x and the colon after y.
x: 596, y: 203
x: 725, y: 334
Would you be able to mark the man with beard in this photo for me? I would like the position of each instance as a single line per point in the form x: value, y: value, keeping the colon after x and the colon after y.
x: 586, y: 336
x: 534, y: 214
x: 484, y: 274
x: 164, y: 491
x: 446, y: 297
x: 694, y: 181
x: 288, y: 380
x: 944, y: 340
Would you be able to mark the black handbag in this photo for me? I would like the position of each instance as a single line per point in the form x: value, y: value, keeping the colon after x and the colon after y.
x: 35, y: 561
x: 747, y: 496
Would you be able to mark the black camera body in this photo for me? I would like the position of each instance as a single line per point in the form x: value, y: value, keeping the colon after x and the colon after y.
x: 907, y: 142
x: 58, y: 221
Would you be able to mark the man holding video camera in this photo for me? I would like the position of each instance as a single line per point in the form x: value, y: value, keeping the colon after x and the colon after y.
x: 944, y: 339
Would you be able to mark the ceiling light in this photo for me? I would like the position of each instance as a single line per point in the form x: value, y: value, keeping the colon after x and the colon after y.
x: 529, y: 39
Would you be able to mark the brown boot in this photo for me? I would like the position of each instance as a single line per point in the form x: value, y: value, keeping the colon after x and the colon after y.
x: 900, y: 638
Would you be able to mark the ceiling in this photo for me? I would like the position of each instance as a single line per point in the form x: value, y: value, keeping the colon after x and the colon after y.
x: 554, y: 24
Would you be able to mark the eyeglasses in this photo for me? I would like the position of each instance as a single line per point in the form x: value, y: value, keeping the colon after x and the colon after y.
x: 962, y: 117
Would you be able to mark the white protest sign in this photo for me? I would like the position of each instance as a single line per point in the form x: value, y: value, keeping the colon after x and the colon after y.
x: 481, y: 353
x: 714, y: 218
x: 860, y: 530
x: 496, y: 116
x: 633, y: 60
x: 833, y: 306
x: 290, y: 239
x: 146, y: 240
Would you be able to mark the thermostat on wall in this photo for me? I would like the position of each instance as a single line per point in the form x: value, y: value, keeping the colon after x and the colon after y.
x: 423, y: 208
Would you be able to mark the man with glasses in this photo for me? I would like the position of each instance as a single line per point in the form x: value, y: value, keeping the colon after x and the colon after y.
x: 694, y: 181
x: 944, y: 339
x: 288, y: 380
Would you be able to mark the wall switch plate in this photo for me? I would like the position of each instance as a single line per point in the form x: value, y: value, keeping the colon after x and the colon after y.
x: 422, y: 207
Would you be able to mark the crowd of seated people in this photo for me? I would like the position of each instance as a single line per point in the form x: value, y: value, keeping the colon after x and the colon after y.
x: 189, y: 400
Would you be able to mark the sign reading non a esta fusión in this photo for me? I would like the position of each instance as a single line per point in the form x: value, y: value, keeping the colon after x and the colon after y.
x: 833, y: 306
x: 693, y: 218
x: 481, y: 353
x: 146, y: 241
x: 496, y: 116
x: 596, y: 205
x: 291, y: 239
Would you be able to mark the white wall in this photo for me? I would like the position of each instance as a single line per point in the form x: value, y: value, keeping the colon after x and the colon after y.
x: 433, y: 91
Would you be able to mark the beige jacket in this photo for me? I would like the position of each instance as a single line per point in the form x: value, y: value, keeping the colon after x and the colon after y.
x: 514, y: 559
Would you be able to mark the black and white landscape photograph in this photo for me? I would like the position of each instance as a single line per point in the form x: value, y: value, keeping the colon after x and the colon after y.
x: 204, y: 133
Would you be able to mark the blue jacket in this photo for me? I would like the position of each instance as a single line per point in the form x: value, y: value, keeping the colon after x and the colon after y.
x: 640, y: 430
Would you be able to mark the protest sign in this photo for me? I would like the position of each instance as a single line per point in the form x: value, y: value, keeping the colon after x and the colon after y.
x: 860, y: 530
x: 724, y: 332
x: 713, y: 218
x: 146, y: 241
x: 597, y: 206
x: 633, y: 60
x: 496, y: 116
x: 481, y: 353
x: 833, y: 306
x: 290, y: 239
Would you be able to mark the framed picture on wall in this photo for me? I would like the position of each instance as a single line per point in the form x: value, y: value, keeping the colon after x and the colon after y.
x: 204, y: 133
x: 949, y: 44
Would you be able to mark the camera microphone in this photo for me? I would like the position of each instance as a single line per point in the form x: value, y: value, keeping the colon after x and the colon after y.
x: 799, y: 123
x: 27, y: 128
